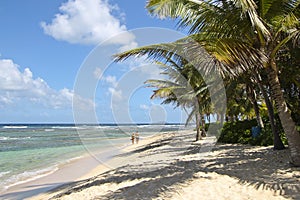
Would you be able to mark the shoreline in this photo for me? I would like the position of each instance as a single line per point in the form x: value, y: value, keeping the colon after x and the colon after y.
x: 44, y: 183
x: 40, y: 173
x: 172, y: 166
x: 83, y: 165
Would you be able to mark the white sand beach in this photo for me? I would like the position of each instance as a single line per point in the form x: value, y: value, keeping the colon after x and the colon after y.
x: 172, y: 166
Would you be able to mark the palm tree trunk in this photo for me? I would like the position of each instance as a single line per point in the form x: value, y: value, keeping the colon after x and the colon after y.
x: 218, y: 117
x: 287, y: 122
x: 198, y: 124
x: 203, y: 132
x: 198, y: 120
x: 252, y: 97
x: 278, y: 145
x: 222, y: 118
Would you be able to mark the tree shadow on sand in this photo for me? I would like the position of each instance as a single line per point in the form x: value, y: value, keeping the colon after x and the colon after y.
x: 265, y: 169
x: 245, y: 163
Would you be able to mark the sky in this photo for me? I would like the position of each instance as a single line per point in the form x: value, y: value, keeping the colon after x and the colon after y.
x: 56, y: 62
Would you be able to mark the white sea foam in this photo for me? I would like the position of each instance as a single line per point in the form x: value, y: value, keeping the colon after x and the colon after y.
x: 63, y: 127
x: 48, y: 129
x: 4, y: 138
x: 3, y: 173
x: 143, y: 126
x: 102, y: 127
x: 27, y: 176
x: 13, y: 138
x: 81, y: 128
x: 14, y: 127
x: 73, y: 159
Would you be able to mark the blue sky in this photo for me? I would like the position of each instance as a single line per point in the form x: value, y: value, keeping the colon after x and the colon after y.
x: 46, y: 45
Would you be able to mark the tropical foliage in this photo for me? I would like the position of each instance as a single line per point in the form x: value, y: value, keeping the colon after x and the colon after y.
x: 241, y: 132
x: 252, y: 44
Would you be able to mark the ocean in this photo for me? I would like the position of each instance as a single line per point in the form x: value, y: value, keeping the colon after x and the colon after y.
x: 30, y: 151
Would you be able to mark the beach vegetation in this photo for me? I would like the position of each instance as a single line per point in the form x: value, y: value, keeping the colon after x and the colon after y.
x: 253, y: 44
x: 241, y: 132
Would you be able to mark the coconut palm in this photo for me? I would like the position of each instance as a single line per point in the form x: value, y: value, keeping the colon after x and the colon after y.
x: 185, y: 88
x: 264, y: 24
x: 236, y: 35
x: 289, y: 67
x: 282, y: 21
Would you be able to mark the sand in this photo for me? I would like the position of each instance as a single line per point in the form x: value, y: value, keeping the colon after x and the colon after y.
x: 172, y: 166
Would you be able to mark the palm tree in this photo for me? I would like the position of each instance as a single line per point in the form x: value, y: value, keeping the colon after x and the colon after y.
x: 186, y: 88
x: 282, y: 20
x: 264, y: 88
x: 237, y: 35
x: 289, y: 67
x: 262, y: 24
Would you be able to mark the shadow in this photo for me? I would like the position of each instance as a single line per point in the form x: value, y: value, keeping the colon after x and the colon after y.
x: 261, y: 168
x: 195, y: 149
x: 264, y: 169
x: 162, y: 178
x: 152, y: 145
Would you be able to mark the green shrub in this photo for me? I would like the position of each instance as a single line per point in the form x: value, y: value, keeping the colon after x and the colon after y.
x: 237, y: 132
x: 265, y: 138
x: 240, y: 132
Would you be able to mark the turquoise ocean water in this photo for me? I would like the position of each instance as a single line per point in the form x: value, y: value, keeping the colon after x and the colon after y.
x: 29, y: 151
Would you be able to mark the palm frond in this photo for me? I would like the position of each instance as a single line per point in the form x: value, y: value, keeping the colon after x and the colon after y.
x: 231, y: 56
x: 210, y: 15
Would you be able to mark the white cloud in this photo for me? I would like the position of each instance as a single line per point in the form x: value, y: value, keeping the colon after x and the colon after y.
x: 144, y: 107
x: 82, y: 104
x: 98, y: 73
x: 88, y: 22
x: 12, y: 79
x: 112, y: 80
x: 5, y: 99
x: 116, y: 95
x: 113, y: 88
x: 128, y: 46
x: 16, y: 86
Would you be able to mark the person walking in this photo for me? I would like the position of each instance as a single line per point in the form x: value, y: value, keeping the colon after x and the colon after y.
x: 137, y: 137
x: 132, y: 138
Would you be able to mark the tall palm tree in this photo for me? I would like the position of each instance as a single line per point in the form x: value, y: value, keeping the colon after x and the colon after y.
x: 239, y: 35
x: 264, y: 88
x: 262, y: 24
x: 282, y: 21
x: 289, y: 67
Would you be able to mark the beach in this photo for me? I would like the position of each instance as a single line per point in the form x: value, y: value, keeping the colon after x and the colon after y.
x: 35, y: 158
x: 173, y: 166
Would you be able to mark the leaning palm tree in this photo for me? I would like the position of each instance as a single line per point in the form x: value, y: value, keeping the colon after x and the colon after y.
x: 177, y: 94
x: 284, y: 26
x: 186, y: 88
x: 235, y: 35
x: 261, y: 24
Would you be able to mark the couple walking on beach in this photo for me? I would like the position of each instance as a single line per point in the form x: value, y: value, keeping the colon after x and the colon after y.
x: 135, y: 136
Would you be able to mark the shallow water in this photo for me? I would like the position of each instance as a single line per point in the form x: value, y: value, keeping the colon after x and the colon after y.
x: 36, y: 150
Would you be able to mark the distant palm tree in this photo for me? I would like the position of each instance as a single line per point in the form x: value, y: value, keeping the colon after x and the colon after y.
x: 185, y: 88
